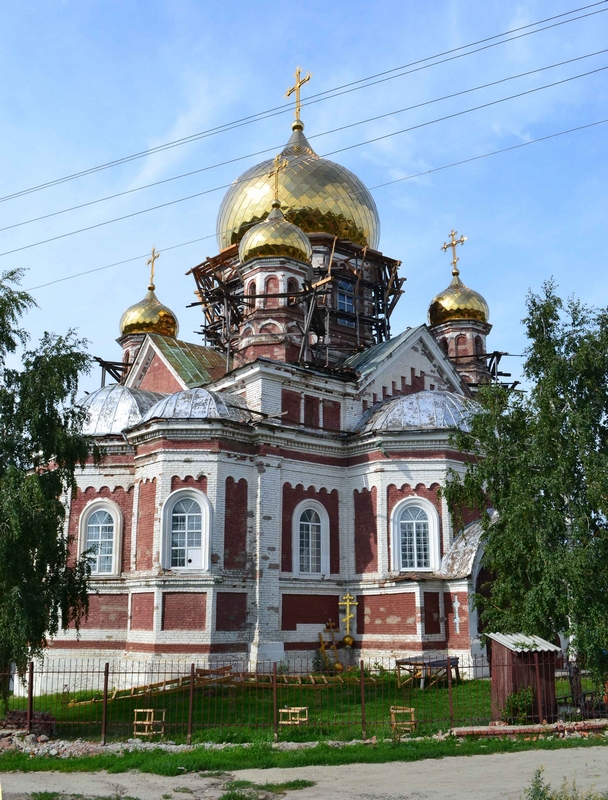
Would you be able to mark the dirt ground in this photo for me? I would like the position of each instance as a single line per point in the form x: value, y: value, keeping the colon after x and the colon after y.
x: 463, y: 778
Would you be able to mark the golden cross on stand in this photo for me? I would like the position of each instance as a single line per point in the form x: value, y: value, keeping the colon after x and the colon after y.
x: 453, y: 243
x: 296, y: 89
x: 349, y: 601
x: 150, y: 263
x: 278, y: 166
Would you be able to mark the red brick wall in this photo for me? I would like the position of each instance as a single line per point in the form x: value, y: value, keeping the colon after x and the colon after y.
x: 189, y: 482
x: 291, y: 497
x: 290, y: 403
x: 395, y: 495
x: 311, y: 410
x: 142, y: 611
x: 306, y: 609
x: 184, y: 611
x: 158, y: 378
x: 366, y: 532
x: 235, y: 524
x: 107, y: 612
x: 388, y: 613
x: 231, y: 611
x: 123, y: 499
x: 145, y: 524
x: 432, y: 623
x: 462, y: 639
x: 331, y: 415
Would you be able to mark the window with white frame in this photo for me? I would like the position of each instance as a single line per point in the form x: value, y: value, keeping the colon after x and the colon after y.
x: 100, y: 537
x: 415, y: 536
x: 311, y: 539
x: 346, y: 302
x: 186, y: 520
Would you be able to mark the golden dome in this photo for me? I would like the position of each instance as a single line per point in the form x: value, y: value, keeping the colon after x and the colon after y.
x: 458, y: 302
x: 275, y: 237
x: 317, y: 195
x: 149, y: 316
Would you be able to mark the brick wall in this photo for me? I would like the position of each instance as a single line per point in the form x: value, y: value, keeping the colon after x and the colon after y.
x: 189, y: 482
x: 290, y: 403
x: 366, y: 531
x: 231, y: 611
x: 142, y: 611
x: 462, y: 638
x: 386, y: 613
x: 432, y: 623
x: 107, y: 612
x: 158, y: 378
x: 123, y: 499
x: 331, y: 415
x: 309, y: 609
x: 235, y: 524
x: 292, y: 495
x: 311, y: 410
x: 184, y: 611
x: 145, y: 524
x: 396, y: 494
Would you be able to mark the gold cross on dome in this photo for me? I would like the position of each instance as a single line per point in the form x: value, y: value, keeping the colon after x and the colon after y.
x: 453, y: 244
x: 150, y: 263
x: 349, y: 601
x: 278, y: 166
x: 296, y: 89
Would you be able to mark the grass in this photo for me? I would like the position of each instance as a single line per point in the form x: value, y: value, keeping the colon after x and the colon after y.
x: 540, y: 790
x: 262, y: 756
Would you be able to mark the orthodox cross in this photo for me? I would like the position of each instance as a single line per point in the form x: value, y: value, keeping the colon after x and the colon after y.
x: 278, y: 166
x: 456, y: 606
x: 296, y: 89
x: 150, y: 263
x: 453, y: 243
x: 349, y: 601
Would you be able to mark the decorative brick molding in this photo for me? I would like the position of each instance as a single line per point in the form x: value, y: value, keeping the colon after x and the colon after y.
x: 145, y: 524
x: 292, y: 495
x: 123, y: 499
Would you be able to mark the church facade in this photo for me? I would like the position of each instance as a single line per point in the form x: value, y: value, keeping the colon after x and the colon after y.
x: 296, y: 456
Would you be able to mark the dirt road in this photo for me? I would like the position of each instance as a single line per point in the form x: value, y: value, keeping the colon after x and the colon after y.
x: 501, y: 776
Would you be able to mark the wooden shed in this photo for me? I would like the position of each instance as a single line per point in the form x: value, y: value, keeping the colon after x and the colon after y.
x: 523, y: 678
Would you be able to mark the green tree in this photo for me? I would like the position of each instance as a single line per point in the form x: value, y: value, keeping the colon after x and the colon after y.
x: 539, y: 458
x: 41, y: 445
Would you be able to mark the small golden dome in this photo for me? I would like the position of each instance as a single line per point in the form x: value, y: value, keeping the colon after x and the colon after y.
x: 458, y: 302
x: 275, y: 237
x: 149, y: 316
x: 317, y: 195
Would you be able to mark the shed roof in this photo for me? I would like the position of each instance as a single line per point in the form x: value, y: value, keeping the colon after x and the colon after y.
x: 520, y: 643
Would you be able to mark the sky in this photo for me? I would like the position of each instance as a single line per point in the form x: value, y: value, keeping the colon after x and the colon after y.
x: 86, y: 83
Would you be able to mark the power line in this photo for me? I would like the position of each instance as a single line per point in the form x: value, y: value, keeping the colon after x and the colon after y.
x: 362, y: 83
x: 378, y: 186
x: 332, y: 152
x: 313, y: 136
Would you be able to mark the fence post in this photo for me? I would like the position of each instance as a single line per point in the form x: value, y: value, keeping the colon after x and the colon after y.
x: 539, y: 699
x: 104, y: 707
x: 450, y: 698
x: 30, y: 697
x: 275, y: 702
x: 362, y: 684
x: 190, y: 703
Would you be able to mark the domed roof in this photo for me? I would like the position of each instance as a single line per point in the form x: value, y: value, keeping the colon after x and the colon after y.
x: 199, y: 404
x: 458, y: 302
x: 317, y: 195
x: 149, y: 316
x: 427, y: 410
x: 114, y: 408
x: 275, y: 237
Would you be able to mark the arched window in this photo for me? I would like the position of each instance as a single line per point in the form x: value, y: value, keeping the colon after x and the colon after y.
x: 461, y: 345
x: 272, y: 289
x: 293, y: 288
x: 100, y: 536
x: 479, y: 349
x: 445, y: 346
x: 346, y: 302
x: 251, y: 292
x: 311, y: 539
x: 186, y: 527
x: 415, y: 540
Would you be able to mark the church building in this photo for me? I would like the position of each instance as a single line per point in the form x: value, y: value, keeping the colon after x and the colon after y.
x: 293, y: 455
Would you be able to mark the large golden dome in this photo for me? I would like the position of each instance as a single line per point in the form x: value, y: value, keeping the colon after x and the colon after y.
x: 275, y: 237
x: 149, y: 316
x: 317, y: 195
x: 458, y: 302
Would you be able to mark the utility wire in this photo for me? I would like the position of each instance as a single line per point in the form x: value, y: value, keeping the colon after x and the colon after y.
x: 313, y: 136
x: 362, y: 83
x: 378, y: 186
x: 332, y: 152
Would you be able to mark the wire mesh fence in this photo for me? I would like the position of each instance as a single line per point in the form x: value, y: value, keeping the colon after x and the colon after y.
x: 230, y: 702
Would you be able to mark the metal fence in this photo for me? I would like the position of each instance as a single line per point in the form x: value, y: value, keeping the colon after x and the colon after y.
x: 227, y: 702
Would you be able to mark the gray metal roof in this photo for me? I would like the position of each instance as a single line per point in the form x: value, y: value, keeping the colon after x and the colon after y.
x: 426, y: 410
x: 369, y: 360
x: 459, y: 560
x: 521, y: 643
x: 114, y: 408
x: 199, y: 404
